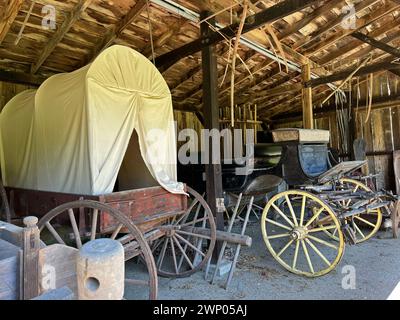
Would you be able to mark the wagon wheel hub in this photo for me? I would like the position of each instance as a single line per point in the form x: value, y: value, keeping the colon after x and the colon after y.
x: 298, y: 233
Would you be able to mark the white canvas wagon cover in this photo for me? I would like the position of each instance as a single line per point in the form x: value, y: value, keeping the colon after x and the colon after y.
x: 71, y: 134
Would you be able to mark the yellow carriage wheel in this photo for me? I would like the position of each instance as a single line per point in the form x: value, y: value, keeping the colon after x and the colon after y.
x: 365, y: 225
x: 293, y: 224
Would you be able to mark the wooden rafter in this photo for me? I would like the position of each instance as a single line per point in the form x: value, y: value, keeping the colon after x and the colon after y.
x: 8, y: 17
x: 360, y: 24
x: 255, y: 21
x: 116, y: 31
x: 333, y: 24
x: 61, y: 32
x: 355, y: 43
x: 383, y: 65
x: 377, y: 44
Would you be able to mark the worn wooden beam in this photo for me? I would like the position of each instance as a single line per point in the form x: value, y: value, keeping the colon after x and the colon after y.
x: 255, y: 21
x: 21, y: 78
x: 295, y: 27
x: 116, y: 31
x: 360, y: 23
x: 377, y: 44
x: 333, y: 23
x: 393, y: 24
x: 8, y: 16
x: 308, y: 119
x: 211, y: 116
x: 61, y: 32
x: 378, y: 103
x: 376, y: 67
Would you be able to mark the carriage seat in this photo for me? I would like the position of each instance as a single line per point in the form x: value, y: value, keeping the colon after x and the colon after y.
x: 262, y: 185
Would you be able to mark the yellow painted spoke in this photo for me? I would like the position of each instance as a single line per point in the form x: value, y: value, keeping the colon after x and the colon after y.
x: 355, y: 189
x: 307, y: 256
x: 365, y: 221
x: 322, y: 228
x: 315, y: 216
x: 318, y: 252
x: 323, y: 242
x: 303, y: 207
x: 285, y: 248
x: 296, y: 252
x: 358, y: 230
x: 282, y: 215
x: 282, y: 235
x: 278, y: 224
x: 291, y: 210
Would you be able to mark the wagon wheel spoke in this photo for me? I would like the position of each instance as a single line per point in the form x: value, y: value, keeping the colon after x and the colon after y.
x: 190, y: 245
x: 326, y: 243
x: 54, y: 233
x: 184, y: 255
x: 307, y: 256
x: 358, y: 230
x: 75, y: 228
x: 314, y: 217
x: 318, y: 252
x: 285, y: 248
x: 277, y: 236
x: 322, y: 228
x: 279, y: 211
x: 289, y: 203
x: 93, y: 229
x: 162, y: 254
x: 365, y: 221
x: 296, y: 253
x: 278, y: 224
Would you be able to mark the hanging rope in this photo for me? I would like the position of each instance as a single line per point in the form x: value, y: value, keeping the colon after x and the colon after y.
x: 235, y: 49
x: 151, y: 32
x: 370, y: 90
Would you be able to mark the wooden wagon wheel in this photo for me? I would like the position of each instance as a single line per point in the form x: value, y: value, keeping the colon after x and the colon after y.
x: 58, y: 223
x: 365, y: 225
x: 295, y: 235
x: 189, y: 240
x: 5, y: 207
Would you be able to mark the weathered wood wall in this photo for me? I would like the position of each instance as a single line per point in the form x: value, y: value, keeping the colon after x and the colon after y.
x: 9, y: 90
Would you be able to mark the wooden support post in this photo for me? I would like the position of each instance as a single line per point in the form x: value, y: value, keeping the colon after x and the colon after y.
x: 211, y: 119
x: 31, y: 243
x: 308, y: 119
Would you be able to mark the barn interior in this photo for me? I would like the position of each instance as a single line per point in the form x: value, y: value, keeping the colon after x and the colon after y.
x: 320, y: 74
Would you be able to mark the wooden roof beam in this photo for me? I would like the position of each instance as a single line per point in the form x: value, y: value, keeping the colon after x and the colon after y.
x: 377, y: 44
x: 360, y: 23
x: 352, y: 44
x: 255, y: 21
x: 61, y: 32
x: 21, y: 78
x: 387, y: 64
x: 334, y: 23
x: 117, y: 30
x: 8, y: 16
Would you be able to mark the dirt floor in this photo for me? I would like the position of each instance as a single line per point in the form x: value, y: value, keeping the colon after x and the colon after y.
x: 259, y: 276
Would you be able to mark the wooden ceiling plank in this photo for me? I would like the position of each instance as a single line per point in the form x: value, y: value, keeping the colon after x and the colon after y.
x: 255, y: 21
x: 8, y: 17
x: 334, y: 23
x: 117, y: 30
x: 377, y: 44
x: 61, y: 32
x: 360, y: 24
x: 353, y: 44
